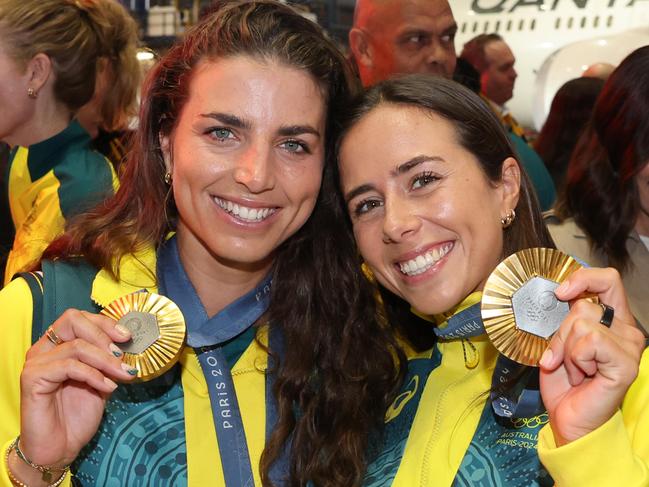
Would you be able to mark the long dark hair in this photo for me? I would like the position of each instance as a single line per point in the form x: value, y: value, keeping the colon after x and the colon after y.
x: 479, y: 132
x: 336, y: 377
x: 570, y: 111
x: 601, y: 191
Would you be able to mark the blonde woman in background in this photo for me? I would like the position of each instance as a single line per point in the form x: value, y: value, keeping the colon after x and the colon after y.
x: 50, y: 51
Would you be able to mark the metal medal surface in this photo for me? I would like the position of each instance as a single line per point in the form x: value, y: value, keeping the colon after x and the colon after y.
x: 158, y: 332
x: 519, y: 309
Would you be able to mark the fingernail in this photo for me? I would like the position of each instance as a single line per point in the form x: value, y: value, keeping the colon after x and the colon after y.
x: 122, y: 330
x: 546, y: 358
x: 110, y: 383
x: 115, y: 350
x: 563, y: 287
x: 131, y: 370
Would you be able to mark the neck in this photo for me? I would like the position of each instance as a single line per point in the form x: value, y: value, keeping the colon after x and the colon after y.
x: 217, y: 282
x: 48, y: 119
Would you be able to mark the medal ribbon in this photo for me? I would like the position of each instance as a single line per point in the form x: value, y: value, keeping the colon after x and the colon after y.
x: 207, y: 335
x: 517, y: 400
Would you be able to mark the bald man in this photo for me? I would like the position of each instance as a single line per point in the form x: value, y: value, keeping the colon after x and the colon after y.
x: 402, y: 36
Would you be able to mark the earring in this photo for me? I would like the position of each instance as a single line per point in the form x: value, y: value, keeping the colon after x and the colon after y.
x: 32, y: 93
x: 167, y: 178
x: 508, y: 219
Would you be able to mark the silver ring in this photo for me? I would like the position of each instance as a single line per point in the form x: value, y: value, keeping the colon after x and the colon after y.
x: 53, y: 337
x: 607, y: 315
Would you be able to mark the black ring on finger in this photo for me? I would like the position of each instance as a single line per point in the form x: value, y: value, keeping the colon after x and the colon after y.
x: 607, y: 315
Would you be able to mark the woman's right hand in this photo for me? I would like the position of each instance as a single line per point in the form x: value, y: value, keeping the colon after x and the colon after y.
x: 64, y: 387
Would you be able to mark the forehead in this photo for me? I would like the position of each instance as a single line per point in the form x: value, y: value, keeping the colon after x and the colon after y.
x: 395, y: 16
x: 498, y: 51
x: 392, y: 134
x: 255, y: 82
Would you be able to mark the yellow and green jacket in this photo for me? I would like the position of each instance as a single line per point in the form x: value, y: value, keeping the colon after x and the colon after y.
x: 48, y: 183
x: 164, y: 428
x: 442, y: 431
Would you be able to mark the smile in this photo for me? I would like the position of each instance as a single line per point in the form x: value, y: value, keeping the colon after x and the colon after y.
x: 425, y: 261
x: 244, y: 213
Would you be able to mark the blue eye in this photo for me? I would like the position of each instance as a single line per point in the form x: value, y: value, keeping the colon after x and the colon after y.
x: 366, y: 206
x: 423, y: 179
x: 221, y: 133
x: 295, y: 146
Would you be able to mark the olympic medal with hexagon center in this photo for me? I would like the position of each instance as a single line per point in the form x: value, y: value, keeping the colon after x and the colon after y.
x: 519, y: 309
x: 157, y: 329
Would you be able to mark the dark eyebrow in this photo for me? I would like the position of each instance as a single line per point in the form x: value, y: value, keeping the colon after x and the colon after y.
x: 298, y: 130
x: 228, y: 119
x: 401, y: 169
x: 363, y: 188
x: 415, y: 161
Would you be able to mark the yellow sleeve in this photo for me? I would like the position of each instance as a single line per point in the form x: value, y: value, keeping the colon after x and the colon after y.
x: 15, y: 337
x: 42, y: 225
x: 617, y: 453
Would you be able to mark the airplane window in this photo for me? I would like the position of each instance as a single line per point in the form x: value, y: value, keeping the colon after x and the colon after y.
x: 497, y: 27
x: 569, y: 22
x: 596, y: 21
x: 521, y: 24
x: 463, y: 27
x: 533, y: 24
x: 486, y: 27
x: 509, y: 25
x: 475, y: 26
x: 609, y: 21
x: 583, y: 22
x: 557, y: 23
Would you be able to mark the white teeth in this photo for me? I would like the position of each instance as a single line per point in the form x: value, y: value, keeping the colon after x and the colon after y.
x: 243, y: 212
x: 423, y: 262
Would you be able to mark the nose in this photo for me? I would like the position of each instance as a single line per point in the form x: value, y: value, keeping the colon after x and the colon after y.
x: 400, y: 222
x: 255, y: 169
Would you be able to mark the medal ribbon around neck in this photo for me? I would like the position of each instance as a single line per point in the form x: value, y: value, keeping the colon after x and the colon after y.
x: 207, y: 335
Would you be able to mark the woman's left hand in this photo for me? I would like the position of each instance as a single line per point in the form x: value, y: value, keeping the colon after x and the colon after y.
x: 588, y: 367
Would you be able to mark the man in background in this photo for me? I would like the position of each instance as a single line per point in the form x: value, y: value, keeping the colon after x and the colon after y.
x: 490, y: 55
x: 391, y: 37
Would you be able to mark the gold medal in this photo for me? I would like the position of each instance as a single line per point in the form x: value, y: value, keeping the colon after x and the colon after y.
x: 158, y: 332
x: 519, y: 308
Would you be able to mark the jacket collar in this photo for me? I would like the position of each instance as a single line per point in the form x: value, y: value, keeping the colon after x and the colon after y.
x: 136, y: 272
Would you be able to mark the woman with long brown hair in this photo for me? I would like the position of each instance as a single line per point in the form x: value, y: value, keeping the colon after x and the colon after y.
x: 220, y: 210
x: 436, y: 200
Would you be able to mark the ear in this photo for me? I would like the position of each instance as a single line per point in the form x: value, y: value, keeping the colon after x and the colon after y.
x: 360, y: 47
x: 165, y: 148
x: 510, y: 185
x: 39, y: 71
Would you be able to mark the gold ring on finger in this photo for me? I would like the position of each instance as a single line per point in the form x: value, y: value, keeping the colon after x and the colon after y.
x: 53, y: 337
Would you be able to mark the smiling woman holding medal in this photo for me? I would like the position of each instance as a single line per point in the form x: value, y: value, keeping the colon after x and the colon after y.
x: 436, y: 201
x: 281, y: 343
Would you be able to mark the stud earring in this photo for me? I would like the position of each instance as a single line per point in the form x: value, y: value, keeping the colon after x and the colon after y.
x: 508, y: 219
x: 167, y: 178
x: 32, y: 93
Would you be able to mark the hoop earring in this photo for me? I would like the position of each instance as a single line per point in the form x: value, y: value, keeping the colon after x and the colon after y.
x: 32, y: 93
x: 167, y: 178
x: 508, y: 219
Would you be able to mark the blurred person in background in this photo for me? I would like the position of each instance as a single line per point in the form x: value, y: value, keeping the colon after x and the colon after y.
x: 571, y: 108
x: 49, y: 52
x: 113, y: 106
x: 391, y: 37
x: 487, y: 68
x: 602, y: 216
